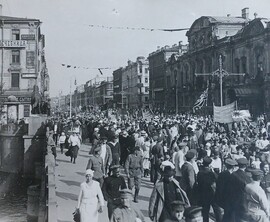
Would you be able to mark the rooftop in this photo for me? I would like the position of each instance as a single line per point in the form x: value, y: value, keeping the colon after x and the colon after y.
x: 17, y: 19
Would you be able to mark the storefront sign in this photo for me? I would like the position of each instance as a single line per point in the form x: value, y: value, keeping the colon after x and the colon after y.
x: 21, y: 99
x: 29, y: 75
x: 28, y: 37
x: 13, y: 43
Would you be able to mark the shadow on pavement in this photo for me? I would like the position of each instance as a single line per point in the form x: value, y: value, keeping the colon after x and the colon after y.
x: 71, y: 183
x: 145, y: 213
x: 64, y: 161
x: 83, y: 155
x: 67, y: 196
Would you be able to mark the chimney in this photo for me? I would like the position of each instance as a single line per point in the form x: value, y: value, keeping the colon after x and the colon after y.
x: 1, y: 7
x: 245, y: 13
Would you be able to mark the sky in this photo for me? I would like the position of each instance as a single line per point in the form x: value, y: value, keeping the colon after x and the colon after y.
x: 70, y: 40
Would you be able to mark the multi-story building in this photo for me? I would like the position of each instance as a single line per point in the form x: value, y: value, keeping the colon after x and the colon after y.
x: 22, y: 65
x: 135, y: 83
x: 104, y: 93
x: 118, y: 96
x: 157, y: 74
x: 244, y: 46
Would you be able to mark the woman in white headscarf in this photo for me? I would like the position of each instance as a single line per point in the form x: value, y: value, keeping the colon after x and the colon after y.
x: 90, y: 201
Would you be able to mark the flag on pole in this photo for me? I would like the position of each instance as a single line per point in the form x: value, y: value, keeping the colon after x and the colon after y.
x: 224, y: 114
x: 201, y: 101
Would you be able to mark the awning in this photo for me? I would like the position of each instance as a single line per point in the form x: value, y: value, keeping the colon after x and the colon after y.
x: 242, y: 92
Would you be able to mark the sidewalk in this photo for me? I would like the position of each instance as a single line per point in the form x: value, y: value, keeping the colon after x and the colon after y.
x: 69, y: 176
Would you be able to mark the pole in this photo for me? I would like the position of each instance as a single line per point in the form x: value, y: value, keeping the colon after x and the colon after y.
x: 176, y: 96
x: 70, y: 100
x: 220, y: 79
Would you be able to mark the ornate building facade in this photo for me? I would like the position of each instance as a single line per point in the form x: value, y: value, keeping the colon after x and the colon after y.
x: 243, y: 44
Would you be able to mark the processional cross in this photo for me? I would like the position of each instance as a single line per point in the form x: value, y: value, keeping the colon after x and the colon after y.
x: 220, y: 72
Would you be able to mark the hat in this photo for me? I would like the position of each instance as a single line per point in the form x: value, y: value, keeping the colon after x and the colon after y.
x: 114, y: 167
x: 125, y: 133
x: 160, y: 139
x: 215, y: 153
x: 182, y: 144
x: 194, y: 151
x: 89, y: 172
x: 207, y: 160
x: 230, y: 162
x: 190, y: 155
x: 125, y: 193
x: 242, y: 161
x: 257, y: 172
x: 168, y: 171
x: 208, y: 144
x: 143, y: 133
x: 193, y: 212
x: 178, y: 205
x: 103, y: 138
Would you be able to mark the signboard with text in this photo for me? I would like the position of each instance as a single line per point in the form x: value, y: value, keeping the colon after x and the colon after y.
x: 13, y: 43
x: 28, y: 37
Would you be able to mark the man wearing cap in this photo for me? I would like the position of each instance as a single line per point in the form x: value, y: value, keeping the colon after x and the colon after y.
x: 116, y: 152
x: 95, y: 163
x: 125, y: 142
x: 126, y: 212
x: 166, y: 190
x: 188, y: 175
x: 223, y: 190
x: 111, y: 186
x: 257, y: 203
x: 193, y: 214
x: 240, y: 179
x: 157, y: 154
x: 134, y: 170
x: 206, y: 179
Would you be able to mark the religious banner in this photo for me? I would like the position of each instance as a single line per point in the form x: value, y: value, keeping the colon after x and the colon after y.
x: 223, y: 114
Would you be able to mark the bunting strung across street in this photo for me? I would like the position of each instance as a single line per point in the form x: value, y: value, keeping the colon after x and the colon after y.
x: 140, y: 29
x: 79, y: 67
x: 201, y: 101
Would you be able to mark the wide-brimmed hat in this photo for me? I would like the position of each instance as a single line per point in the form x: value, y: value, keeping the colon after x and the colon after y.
x: 168, y: 171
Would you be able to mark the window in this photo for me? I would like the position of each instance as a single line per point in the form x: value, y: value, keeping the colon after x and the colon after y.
x: 146, y: 99
x: 146, y: 89
x: 140, y: 67
x: 26, y: 110
x: 146, y: 70
x: 15, y: 56
x: 15, y: 80
x: 146, y: 80
x: 15, y: 34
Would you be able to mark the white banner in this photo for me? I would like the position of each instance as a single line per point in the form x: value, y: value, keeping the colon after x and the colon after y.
x: 223, y: 114
x: 241, y: 115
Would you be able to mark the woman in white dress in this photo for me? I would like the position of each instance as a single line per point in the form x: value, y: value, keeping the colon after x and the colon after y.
x: 90, y: 201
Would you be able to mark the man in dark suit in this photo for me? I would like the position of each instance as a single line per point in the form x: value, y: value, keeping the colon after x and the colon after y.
x: 223, y: 190
x: 240, y: 179
x: 206, y: 190
x: 188, y: 175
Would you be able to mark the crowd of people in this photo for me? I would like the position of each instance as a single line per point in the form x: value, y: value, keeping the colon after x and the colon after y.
x: 194, y: 163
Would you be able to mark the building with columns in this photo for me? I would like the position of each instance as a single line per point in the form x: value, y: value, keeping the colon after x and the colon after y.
x: 244, y: 45
x: 22, y: 65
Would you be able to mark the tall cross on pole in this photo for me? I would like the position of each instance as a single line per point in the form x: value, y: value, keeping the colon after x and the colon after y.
x: 220, y: 72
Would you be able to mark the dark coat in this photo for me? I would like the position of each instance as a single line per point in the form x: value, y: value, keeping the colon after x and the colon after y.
x: 223, y: 190
x: 239, y: 180
x: 188, y: 177
x: 206, y: 179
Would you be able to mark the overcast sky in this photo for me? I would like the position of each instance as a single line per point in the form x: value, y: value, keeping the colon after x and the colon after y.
x: 70, y: 40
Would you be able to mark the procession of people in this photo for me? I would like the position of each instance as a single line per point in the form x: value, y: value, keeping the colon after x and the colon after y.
x: 196, y: 165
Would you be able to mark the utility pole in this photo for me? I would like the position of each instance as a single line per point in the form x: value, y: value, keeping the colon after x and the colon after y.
x: 70, y: 100
x: 176, y: 95
x: 220, y: 72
